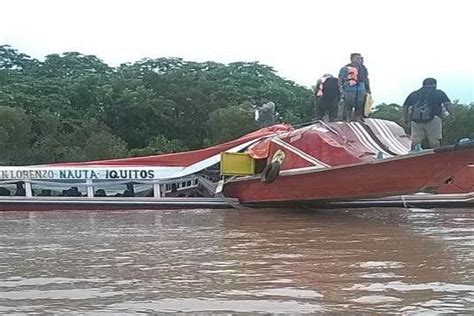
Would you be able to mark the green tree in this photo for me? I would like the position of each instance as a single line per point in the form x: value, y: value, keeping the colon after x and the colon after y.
x: 391, y: 112
x: 58, y: 140
x: 11, y: 59
x: 459, y: 127
x: 230, y: 123
x: 139, y: 115
x: 160, y: 145
x: 15, y: 129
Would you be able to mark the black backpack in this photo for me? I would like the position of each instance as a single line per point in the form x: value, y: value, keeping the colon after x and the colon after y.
x: 331, y: 88
x: 423, y: 109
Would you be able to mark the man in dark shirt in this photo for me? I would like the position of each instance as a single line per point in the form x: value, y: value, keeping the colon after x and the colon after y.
x: 424, y: 109
x: 327, y: 98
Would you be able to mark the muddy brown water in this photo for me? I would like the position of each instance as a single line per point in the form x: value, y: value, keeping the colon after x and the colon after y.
x: 237, y: 261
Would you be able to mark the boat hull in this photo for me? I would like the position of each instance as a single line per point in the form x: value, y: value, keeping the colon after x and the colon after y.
x: 458, y: 200
x: 407, y: 174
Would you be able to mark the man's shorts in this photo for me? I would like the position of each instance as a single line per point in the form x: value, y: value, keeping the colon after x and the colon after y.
x: 431, y: 130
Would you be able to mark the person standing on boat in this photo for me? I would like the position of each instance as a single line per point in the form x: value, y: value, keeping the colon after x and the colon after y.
x: 424, y: 109
x: 354, y: 86
x: 368, y: 96
x: 265, y: 114
x: 327, y: 98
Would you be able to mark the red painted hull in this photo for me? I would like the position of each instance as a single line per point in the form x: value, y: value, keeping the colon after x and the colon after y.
x: 394, y: 176
x: 463, y: 182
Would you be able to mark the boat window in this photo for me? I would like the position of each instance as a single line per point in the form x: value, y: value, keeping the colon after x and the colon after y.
x: 4, y: 192
x: 100, y: 193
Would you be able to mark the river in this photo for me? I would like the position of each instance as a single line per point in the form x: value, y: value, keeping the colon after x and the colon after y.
x: 237, y: 261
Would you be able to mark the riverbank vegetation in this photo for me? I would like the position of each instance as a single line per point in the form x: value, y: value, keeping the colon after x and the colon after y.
x: 75, y: 107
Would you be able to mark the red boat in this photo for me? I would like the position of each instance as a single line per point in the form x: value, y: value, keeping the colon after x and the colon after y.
x: 340, y: 161
x: 318, y: 164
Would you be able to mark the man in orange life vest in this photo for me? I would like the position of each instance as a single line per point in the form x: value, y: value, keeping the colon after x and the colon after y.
x: 354, y: 86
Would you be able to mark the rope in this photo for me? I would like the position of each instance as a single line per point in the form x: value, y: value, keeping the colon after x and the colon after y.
x: 404, y: 202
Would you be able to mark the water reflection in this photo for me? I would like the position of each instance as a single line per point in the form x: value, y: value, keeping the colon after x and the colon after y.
x: 242, y: 261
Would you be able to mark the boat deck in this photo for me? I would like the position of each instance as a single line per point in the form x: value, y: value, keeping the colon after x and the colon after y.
x: 112, y: 203
x: 422, y: 200
x: 462, y: 200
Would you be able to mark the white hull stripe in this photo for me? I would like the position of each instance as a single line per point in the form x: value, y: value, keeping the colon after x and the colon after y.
x: 365, y: 138
x: 300, y: 153
x: 391, y: 139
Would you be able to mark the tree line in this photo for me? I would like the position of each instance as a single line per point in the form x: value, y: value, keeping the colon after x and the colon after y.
x: 75, y: 107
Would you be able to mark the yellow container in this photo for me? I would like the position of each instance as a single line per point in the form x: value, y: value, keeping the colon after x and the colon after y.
x: 237, y: 164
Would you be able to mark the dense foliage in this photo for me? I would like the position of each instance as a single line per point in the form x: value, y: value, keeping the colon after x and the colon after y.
x: 73, y: 107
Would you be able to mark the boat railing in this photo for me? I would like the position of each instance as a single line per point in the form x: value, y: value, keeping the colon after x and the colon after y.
x: 155, y: 188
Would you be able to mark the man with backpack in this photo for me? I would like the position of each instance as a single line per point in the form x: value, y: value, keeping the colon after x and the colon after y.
x: 424, y: 109
x: 327, y: 98
x: 354, y: 86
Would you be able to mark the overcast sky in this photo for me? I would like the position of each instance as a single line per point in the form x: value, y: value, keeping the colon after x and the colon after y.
x: 402, y: 41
